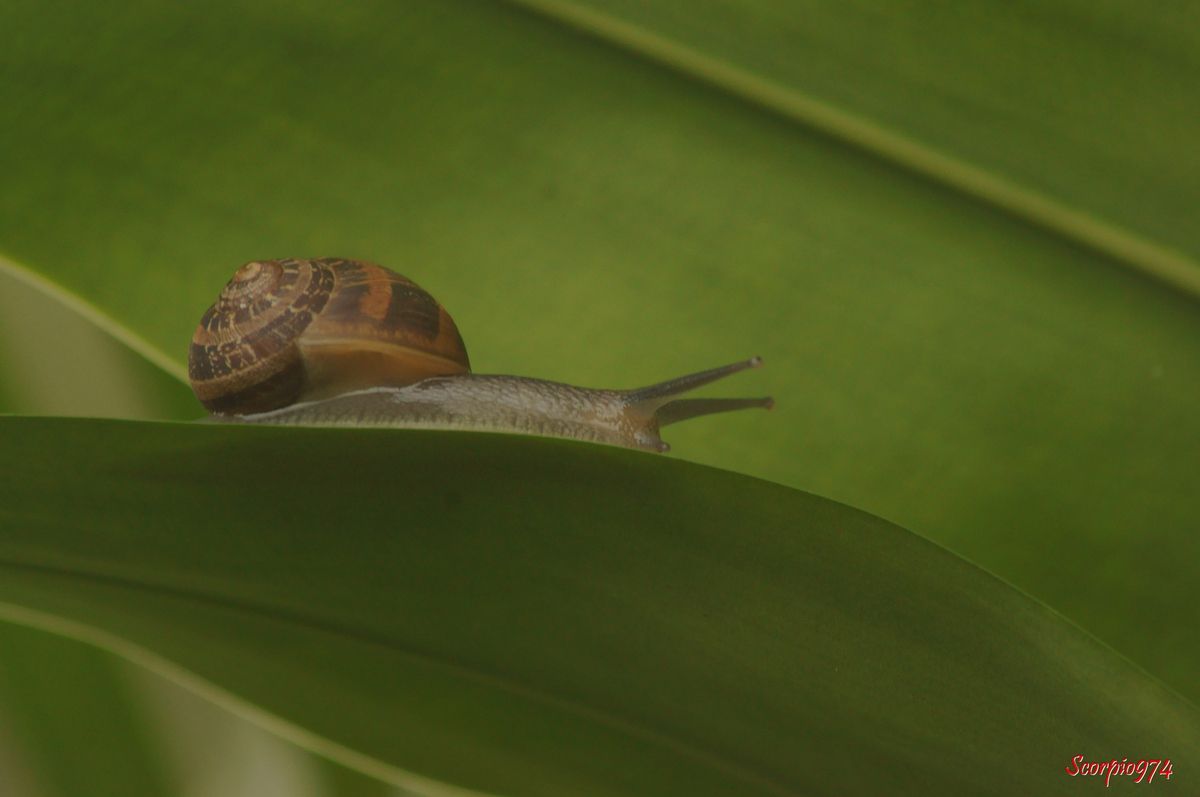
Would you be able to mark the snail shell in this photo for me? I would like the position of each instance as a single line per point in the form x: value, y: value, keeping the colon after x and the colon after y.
x: 293, y: 330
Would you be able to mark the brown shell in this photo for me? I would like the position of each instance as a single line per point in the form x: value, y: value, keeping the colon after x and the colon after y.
x: 289, y: 330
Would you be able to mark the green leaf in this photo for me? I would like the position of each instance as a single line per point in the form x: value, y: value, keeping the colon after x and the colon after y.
x: 536, y: 617
x: 55, y: 360
x: 1010, y: 103
x: 75, y: 720
x: 937, y: 224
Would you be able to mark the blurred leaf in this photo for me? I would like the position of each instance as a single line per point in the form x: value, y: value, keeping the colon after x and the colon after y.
x: 80, y: 721
x: 55, y: 361
x: 219, y: 754
x: 84, y: 722
x: 592, y: 217
x: 77, y: 726
x: 1072, y: 115
x: 20, y: 780
x: 535, y: 617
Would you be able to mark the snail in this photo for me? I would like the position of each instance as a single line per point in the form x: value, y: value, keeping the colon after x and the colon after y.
x: 330, y: 342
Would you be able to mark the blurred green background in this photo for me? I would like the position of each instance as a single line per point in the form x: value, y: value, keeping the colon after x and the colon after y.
x: 962, y: 236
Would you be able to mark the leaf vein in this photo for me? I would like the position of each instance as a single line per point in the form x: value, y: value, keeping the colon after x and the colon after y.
x: 1167, y: 265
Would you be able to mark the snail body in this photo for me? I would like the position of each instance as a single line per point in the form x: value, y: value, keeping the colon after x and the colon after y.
x: 334, y: 342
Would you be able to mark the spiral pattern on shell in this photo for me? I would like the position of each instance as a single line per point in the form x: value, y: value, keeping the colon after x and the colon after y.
x: 287, y: 330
